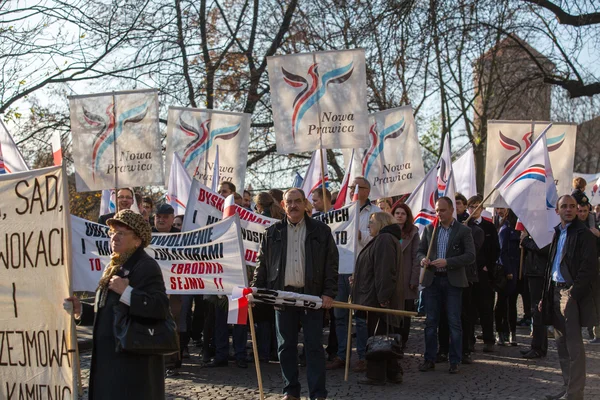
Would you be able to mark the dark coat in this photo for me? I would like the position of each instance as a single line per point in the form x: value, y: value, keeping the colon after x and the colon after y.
x: 579, y: 267
x: 321, y: 259
x: 536, y: 259
x: 459, y: 254
x: 410, y: 264
x: 378, y: 274
x: 121, y: 375
x: 510, y: 255
x: 490, y: 251
x: 103, y: 218
x: 478, y: 240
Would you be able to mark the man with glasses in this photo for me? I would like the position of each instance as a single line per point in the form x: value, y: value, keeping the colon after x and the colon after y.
x: 124, y: 202
x: 299, y: 255
x: 341, y: 315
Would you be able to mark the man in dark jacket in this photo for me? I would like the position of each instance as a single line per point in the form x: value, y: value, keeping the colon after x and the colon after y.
x: 570, y: 285
x: 483, y: 294
x: 124, y: 202
x: 299, y: 255
x: 444, y: 278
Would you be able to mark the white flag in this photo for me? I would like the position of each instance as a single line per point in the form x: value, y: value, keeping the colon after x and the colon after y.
x: 392, y: 162
x: 56, y: 148
x: 342, y: 198
x: 422, y: 200
x: 319, y: 100
x: 215, y: 177
x: 108, y: 202
x: 312, y: 178
x: 529, y: 190
x: 560, y: 140
x: 464, y: 174
x: 180, y: 182
x: 193, y: 134
x: 13, y: 160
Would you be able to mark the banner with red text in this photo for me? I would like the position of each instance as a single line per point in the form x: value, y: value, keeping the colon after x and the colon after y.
x: 205, y: 207
x: 193, y: 135
x: 116, y: 140
x: 37, y: 349
x: 319, y: 100
x: 202, y: 261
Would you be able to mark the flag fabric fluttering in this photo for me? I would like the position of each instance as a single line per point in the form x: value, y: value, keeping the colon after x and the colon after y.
x: 13, y: 159
x: 180, y: 182
x: 297, y: 183
x: 313, y: 179
x: 2, y: 168
x: 108, y: 202
x: 529, y: 190
x: 422, y: 200
x: 56, y: 148
x: 229, y: 206
x: 464, y: 174
x: 355, y: 195
x: 238, y: 306
x: 343, y: 193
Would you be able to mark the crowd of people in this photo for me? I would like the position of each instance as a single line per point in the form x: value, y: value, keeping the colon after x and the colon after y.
x: 461, y: 272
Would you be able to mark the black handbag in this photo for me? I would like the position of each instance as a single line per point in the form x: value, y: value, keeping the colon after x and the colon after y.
x: 384, y: 347
x: 144, y: 336
x: 499, y: 280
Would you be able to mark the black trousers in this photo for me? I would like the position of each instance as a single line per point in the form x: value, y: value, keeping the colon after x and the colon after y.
x: 506, y: 312
x: 197, y: 318
x: 209, y: 329
x: 332, y: 342
x: 467, y: 321
x: 483, y: 299
x: 523, y: 289
x: 539, y: 341
x: 409, y: 305
x: 380, y: 370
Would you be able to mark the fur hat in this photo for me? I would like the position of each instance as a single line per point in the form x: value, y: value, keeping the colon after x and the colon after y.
x: 136, y: 222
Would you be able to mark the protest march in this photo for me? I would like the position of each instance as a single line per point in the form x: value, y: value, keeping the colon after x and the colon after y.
x: 340, y: 268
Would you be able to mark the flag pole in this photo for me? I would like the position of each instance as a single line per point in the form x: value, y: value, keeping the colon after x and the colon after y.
x: 480, y: 206
x: 255, y: 350
x: 521, y: 263
x: 323, y: 181
x: 422, y: 274
x: 348, y: 341
x: 114, y: 98
x: 351, y: 306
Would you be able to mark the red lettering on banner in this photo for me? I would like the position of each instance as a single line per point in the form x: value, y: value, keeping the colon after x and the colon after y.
x: 251, y: 255
x: 185, y: 283
x: 197, y: 268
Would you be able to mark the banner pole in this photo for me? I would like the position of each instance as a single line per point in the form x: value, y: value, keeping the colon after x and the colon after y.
x: 318, y: 104
x: 323, y: 180
x: 422, y: 274
x: 351, y: 306
x: 521, y: 263
x: 480, y: 206
x: 348, y: 341
x: 255, y: 350
x: 115, y: 150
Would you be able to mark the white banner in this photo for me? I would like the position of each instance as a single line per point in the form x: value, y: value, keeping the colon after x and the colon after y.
x: 116, y: 140
x: 202, y: 261
x: 508, y: 140
x: 193, y: 135
x: 205, y: 207
x: 392, y: 163
x: 37, y: 349
x: 319, y: 100
x: 344, y: 228
x: 13, y: 159
x: 313, y: 179
x: 464, y: 174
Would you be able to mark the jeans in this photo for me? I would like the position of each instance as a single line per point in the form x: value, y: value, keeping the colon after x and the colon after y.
x: 439, y: 292
x: 341, y: 322
x: 466, y: 319
x: 240, y: 337
x: 286, y: 325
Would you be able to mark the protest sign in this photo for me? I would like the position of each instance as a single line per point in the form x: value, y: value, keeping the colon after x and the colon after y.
x: 193, y: 135
x: 205, y: 207
x: 37, y: 349
x: 344, y: 228
x: 201, y: 261
x: 116, y: 140
x: 319, y: 100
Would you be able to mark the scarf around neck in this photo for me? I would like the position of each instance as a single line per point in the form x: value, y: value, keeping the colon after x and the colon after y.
x: 117, y: 260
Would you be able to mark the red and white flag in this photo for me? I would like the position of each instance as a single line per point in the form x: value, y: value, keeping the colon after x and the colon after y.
x: 13, y: 159
x: 343, y: 194
x: 229, y: 206
x: 2, y: 168
x: 313, y: 179
x: 178, y: 190
x: 355, y: 195
x: 238, y: 306
x: 56, y: 148
x: 422, y: 200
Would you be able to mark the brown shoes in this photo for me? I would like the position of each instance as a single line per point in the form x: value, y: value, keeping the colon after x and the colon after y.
x: 337, y: 363
x: 360, y: 366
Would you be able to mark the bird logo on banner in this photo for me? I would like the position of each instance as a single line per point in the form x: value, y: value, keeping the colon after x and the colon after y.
x: 377, y: 140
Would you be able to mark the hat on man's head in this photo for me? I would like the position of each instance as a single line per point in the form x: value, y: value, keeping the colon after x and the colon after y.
x: 165, y: 209
x: 136, y: 222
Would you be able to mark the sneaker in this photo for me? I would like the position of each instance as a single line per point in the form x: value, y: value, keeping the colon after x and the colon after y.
x: 500, y: 339
x: 453, y: 369
x: 513, y: 338
x: 594, y: 341
x: 441, y: 358
x: 427, y: 366
x: 360, y: 366
x: 337, y: 363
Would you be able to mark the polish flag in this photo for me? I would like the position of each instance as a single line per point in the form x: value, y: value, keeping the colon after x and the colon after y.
x: 2, y: 168
x: 355, y: 195
x: 313, y: 179
x: 343, y: 194
x: 178, y: 190
x: 487, y: 214
x: 56, y: 148
x: 229, y: 207
x: 238, y: 306
x: 519, y: 226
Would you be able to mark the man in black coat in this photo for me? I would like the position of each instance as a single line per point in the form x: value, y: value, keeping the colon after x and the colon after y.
x: 570, y: 297
x: 124, y: 202
x: 483, y: 294
x: 299, y: 255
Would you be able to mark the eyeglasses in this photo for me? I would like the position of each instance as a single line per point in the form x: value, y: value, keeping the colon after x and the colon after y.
x: 473, y: 206
x: 118, y: 234
x: 354, y: 187
x: 124, y: 198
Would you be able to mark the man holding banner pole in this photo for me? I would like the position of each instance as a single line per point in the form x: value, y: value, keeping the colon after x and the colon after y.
x: 299, y: 255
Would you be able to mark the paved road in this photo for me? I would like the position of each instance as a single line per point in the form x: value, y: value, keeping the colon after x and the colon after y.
x: 499, y: 375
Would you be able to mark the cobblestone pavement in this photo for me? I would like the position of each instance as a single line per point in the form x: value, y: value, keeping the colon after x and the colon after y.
x: 499, y: 375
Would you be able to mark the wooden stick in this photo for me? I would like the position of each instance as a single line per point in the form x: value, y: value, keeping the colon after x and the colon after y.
x: 77, y: 361
x: 348, y: 341
x: 466, y: 221
x: 521, y: 263
x: 255, y: 350
x: 323, y: 180
x: 422, y: 274
x: 350, y: 306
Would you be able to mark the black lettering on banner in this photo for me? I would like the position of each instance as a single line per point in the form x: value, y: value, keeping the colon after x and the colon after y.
x: 341, y: 237
x: 20, y: 250
x: 14, y: 296
x: 82, y: 246
x: 38, y: 348
x: 50, y: 195
x: 194, y: 216
x: 36, y: 391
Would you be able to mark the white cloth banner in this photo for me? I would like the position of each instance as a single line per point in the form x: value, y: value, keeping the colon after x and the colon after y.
x: 392, y: 163
x: 422, y: 201
x: 344, y: 228
x: 319, y: 100
x: 108, y: 202
x: 464, y: 174
x: 202, y: 261
x: 13, y: 159
x: 180, y: 182
x: 193, y: 135
x: 116, y: 140
x: 205, y: 207
x: 508, y: 140
x: 37, y: 347
x: 313, y: 179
